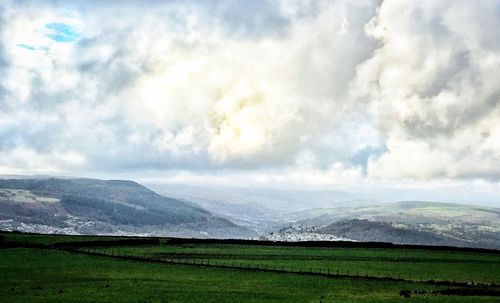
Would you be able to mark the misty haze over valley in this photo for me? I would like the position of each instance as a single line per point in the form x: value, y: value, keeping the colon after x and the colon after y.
x: 44, y: 204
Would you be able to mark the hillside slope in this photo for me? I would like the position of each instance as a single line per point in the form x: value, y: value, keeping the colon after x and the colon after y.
x: 90, y: 206
x: 409, y: 222
x: 370, y: 231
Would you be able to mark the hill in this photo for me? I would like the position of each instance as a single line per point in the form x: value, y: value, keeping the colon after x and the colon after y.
x: 372, y: 231
x: 91, y: 206
x: 411, y: 222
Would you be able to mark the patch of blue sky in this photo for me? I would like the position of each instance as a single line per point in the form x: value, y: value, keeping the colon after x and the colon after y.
x: 362, y: 156
x: 62, y: 32
x: 25, y: 46
x: 32, y: 48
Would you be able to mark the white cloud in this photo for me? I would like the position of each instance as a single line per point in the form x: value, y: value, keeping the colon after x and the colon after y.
x: 21, y: 160
x: 316, y: 92
x: 179, y: 89
x: 250, y: 102
x: 336, y: 175
x: 435, y: 87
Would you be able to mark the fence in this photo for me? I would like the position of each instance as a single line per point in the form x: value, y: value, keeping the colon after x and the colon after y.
x: 327, y: 272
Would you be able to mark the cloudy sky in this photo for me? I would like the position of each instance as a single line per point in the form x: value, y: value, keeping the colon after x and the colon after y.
x: 394, y: 97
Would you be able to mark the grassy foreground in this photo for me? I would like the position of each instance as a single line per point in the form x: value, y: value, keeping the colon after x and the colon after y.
x: 49, y: 275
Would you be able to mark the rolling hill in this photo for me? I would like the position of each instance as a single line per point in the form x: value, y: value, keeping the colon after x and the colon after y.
x: 91, y: 206
x: 405, y: 222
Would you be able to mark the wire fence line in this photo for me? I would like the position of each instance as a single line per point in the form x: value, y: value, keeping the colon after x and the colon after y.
x: 328, y: 272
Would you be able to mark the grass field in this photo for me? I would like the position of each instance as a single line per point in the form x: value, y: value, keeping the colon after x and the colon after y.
x: 49, y: 275
x: 404, y: 263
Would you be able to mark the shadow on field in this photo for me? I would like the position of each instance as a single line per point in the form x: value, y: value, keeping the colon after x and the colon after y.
x: 476, y: 291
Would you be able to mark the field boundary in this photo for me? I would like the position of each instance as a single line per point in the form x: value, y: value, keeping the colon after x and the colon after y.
x: 105, y: 248
x: 325, y: 272
x: 331, y: 244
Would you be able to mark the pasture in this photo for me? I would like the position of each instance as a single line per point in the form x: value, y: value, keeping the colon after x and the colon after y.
x: 36, y: 268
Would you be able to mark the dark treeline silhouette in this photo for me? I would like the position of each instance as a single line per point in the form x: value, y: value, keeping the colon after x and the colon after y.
x: 332, y: 244
x: 108, y: 243
x: 136, y: 240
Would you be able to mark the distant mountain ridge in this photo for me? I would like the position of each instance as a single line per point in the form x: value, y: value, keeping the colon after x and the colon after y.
x: 119, y: 207
x: 405, y: 222
x: 93, y: 206
x: 404, y: 211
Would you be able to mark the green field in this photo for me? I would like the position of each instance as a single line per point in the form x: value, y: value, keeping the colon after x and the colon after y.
x: 403, y: 263
x: 50, y: 275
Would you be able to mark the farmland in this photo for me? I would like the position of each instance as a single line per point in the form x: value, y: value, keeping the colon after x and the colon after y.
x: 376, y: 262
x: 33, y: 270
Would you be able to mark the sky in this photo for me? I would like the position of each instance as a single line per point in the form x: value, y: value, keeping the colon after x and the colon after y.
x: 400, y: 99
